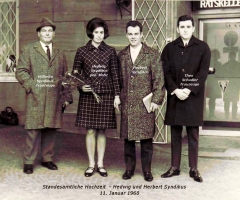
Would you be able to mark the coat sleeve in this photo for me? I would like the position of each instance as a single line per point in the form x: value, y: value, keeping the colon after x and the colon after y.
x: 66, y: 91
x: 120, y: 70
x: 115, y: 73
x: 77, y: 65
x: 168, y: 74
x: 202, y: 73
x: 158, y: 89
x: 23, y: 70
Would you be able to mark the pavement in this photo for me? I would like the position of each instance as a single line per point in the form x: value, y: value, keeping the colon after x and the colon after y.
x: 219, y: 161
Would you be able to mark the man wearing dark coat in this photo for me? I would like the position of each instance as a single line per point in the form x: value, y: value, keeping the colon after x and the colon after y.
x: 141, y: 74
x: 40, y: 70
x: 185, y: 63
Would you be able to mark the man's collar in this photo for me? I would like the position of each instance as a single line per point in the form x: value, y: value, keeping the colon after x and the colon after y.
x: 179, y: 41
x: 44, y: 45
x: 144, y: 49
x: 136, y: 48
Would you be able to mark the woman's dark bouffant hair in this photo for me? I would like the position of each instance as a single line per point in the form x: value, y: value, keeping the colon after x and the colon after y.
x: 95, y: 23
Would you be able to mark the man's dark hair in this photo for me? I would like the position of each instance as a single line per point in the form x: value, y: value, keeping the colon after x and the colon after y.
x: 95, y: 23
x: 185, y: 18
x: 134, y: 24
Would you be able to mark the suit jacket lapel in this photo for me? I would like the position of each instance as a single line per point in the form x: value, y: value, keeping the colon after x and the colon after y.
x: 128, y: 59
x: 55, y: 51
x: 140, y: 56
x: 40, y: 50
x: 127, y: 56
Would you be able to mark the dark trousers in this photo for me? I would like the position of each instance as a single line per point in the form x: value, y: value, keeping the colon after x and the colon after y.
x: 33, y: 139
x: 146, y: 154
x: 176, y: 145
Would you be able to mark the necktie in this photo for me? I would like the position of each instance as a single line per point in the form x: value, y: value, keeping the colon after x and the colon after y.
x: 48, y: 52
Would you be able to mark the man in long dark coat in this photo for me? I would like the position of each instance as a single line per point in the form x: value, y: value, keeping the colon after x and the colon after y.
x: 141, y: 74
x: 186, y: 63
x: 40, y: 70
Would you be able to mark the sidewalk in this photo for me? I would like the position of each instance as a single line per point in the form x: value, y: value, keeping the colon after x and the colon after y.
x: 219, y: 161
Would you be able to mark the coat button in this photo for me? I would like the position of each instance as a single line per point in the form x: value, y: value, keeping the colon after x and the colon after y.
x: 183, y: 70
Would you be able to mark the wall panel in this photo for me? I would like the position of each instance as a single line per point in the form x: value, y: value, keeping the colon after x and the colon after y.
x: 70, y: 35
x: 27, y: 32
x: 34, y: 10
x: 66, y: 10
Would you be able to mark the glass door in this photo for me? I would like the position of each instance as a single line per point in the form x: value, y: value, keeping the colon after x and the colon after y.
x: 222, y: 106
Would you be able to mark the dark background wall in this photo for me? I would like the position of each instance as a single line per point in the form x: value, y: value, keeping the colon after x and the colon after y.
x: 70, y: 17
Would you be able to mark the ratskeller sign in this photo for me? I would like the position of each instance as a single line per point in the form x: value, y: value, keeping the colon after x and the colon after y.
x: 217, y: 4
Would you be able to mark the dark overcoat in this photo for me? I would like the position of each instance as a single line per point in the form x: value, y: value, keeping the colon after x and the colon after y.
x: 42, y: 81
x: 185, y: 67
x: 138, y: 80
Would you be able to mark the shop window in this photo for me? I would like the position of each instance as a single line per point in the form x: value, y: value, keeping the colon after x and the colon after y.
x: 222, y: 100
x: 9, y: 36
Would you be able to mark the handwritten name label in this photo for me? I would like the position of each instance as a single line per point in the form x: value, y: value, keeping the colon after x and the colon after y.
x: 140, y: 70
x: 45, y: 81
x: 189, y: 81
x: 99, y: 70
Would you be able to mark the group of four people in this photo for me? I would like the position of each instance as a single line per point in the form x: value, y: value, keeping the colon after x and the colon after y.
x: 123, y: 79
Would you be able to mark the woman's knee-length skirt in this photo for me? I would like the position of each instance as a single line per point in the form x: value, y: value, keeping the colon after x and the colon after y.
x: 95, y: 115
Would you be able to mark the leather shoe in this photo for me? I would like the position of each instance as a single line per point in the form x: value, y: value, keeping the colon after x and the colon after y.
x: 194, y: 173
x: 171, y: 172
x: 102, y: 171
x: 28, y: 169
x: 128, y: 174
x: 50, y: 165
x: 148, y: 176
x: 89, y: 171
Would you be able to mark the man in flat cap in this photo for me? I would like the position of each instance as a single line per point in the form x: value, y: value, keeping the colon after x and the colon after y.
x: 40, y: 70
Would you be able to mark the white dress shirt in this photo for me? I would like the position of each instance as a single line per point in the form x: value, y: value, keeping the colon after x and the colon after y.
x: 45, y: 48
x: 134, y: 52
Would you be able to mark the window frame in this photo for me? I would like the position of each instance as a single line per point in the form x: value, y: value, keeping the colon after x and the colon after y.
x: 10, y: 76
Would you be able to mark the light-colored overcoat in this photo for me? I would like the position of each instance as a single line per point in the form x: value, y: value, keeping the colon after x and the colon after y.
x: 137, y: 81
x: 42, y: 80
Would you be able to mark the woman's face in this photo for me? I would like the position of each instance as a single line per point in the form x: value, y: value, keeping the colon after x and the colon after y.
x: 98, y: 35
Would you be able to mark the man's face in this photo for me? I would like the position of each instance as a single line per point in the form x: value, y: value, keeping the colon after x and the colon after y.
x: 134, y: 35
x: 185, y: 29
x: 46, y: 34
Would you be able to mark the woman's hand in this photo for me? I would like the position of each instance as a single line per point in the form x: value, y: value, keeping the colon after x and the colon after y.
x: 86, y: 88
x: 117, y: 102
